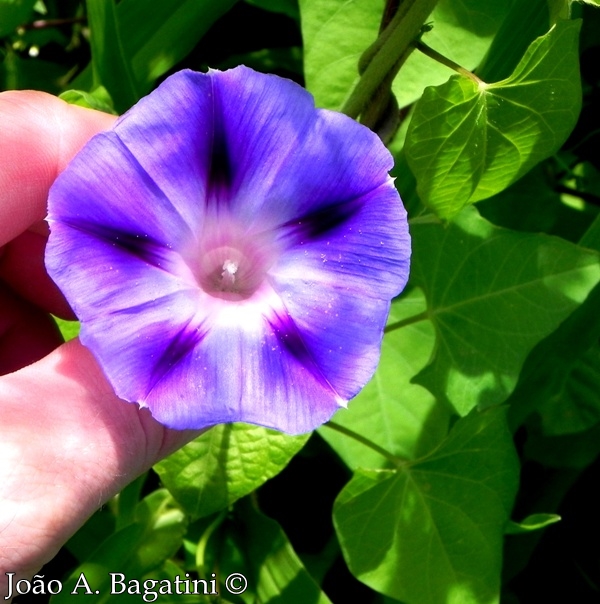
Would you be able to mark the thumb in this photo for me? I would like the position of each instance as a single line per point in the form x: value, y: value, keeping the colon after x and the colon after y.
x: 68, y: 445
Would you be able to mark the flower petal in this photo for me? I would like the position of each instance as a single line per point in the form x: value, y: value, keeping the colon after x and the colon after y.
x: 302, y: 165
x: 154, y: 338
x: 248, y: 367
x: 125, y: 201
x: 171, y: 133
x: 337, y: 288
x: 191, y: 361
x: 123, y: 277
x: 231, y: 252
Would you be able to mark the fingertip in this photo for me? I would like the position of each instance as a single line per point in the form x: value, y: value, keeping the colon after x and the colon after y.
x: 40, y: 134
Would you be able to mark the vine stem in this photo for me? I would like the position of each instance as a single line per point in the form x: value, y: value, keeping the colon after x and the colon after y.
x: 202, y: 544
x: 46, y: 23
x: 396, y: 461
x: 440, y: 58
x: 388, y: 53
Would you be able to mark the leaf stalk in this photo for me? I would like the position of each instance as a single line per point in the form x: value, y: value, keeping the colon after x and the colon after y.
x: 396, y: 461
x: 440, y: 58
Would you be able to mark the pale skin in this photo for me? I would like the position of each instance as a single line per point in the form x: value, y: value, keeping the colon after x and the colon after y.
x: 67, y: 443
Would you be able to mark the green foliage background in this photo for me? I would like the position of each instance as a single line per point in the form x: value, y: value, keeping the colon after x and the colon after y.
x: 481, y: 426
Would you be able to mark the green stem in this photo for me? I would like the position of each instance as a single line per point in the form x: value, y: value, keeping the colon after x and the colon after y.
x: 381, y: 113
x: 396, y: 461
x: 203, y: 542
x: 440, y: 58
x: 399, y: 324
x: 427, y: 218
x: 390, y: 9
x: 393, y: 15
x: 389, y: 52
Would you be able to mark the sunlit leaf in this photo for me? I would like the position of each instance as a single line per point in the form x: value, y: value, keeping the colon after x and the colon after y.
x: 330, y: 54
x: 469, y: 140
x: 98, y: 99
x: 492, y: 295
x: 135, y: 550
x: 224, y: 464
x: 560, y: 379
x: 462, y: 30
x: 431, y: 531
x: 171, y: 571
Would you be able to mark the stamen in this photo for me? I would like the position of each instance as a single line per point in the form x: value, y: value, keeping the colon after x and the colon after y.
x: 228, y: 275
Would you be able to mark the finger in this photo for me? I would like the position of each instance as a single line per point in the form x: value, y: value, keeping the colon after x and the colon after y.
x: 40, y: 135
x: 68, y: 445
x: 22, y: 267
x: 26, y: 333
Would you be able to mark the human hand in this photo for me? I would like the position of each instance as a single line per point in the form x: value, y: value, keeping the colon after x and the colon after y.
x: 67, y: 443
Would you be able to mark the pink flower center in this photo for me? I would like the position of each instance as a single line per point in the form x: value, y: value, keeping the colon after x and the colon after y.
x: 233, y: 266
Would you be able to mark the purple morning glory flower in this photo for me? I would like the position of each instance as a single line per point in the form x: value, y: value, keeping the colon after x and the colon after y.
x: 231, y: 252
